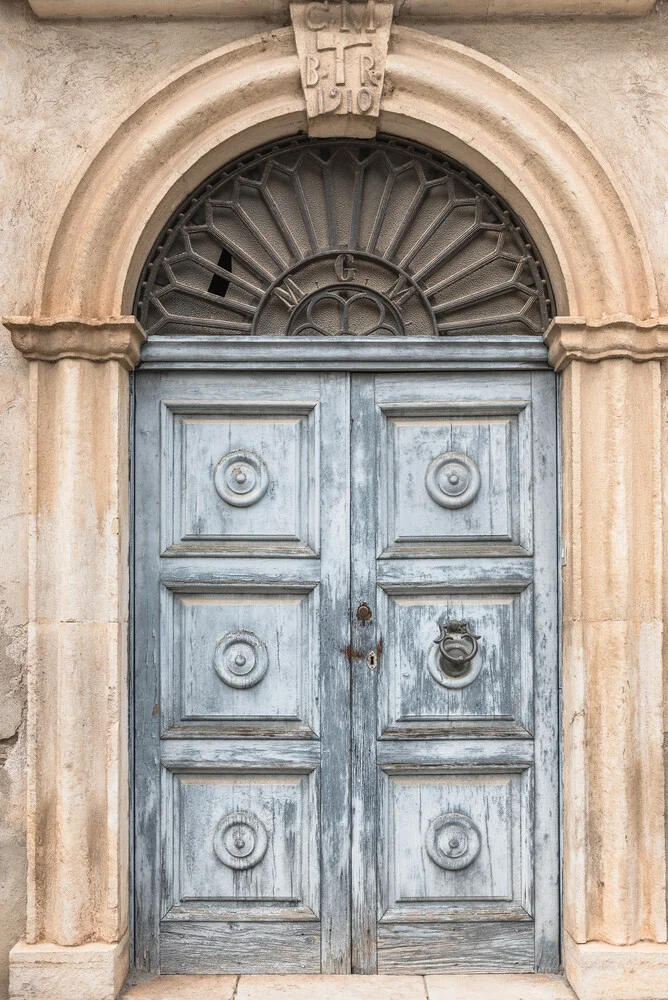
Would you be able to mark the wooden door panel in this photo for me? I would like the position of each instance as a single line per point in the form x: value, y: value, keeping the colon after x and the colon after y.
x: 224, y: 947
x: 455, y: 477
x: 456, y: 844
x: 241, y: 479
x: 310, y: 775
x: 243, y: 660
x: 428, y: 949
x: 245, y: 845
x: 492, y: 695
x: 465, y: 844
x: 241, y: 629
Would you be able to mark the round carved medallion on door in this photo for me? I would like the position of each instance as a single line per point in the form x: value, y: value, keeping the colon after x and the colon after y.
x: 241, y: 659
x: 453, y: 841
x: 241, y: 478
x: 452, y: 480
x: 240, y: 840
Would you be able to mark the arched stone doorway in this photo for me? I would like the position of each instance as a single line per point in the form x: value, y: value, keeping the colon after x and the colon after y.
x: 346, y: 576
x: 608, y: 340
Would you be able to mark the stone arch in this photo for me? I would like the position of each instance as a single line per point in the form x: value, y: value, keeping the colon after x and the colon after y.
x: 441, y: 93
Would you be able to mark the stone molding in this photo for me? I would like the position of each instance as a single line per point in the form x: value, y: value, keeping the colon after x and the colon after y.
x: 342, y: 51
x: 599, y: 971
x: 50, y: 972
x: 41, y: 339
x: 276, y: 10
x: 437, y: 91
x: 574, y: 338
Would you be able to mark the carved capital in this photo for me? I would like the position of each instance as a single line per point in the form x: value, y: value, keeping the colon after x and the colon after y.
x: 574, y: 338
x: 45, y: 339
x: 342, y: 51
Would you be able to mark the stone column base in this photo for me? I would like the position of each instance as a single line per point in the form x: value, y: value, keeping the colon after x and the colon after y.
x: 599, y: 971
x: 52, y: 972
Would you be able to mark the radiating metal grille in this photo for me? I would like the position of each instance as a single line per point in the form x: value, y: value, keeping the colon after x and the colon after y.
x: 343, y: 237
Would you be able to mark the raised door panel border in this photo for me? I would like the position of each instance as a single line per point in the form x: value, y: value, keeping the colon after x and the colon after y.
x: 455, y: 477
x: 240, y: 843
x: 273, y: 631
x: 494, y: 694
x: 455, y: 842
x: 240, y: 477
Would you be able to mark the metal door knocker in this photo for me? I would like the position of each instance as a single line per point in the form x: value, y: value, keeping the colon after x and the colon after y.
x: 456, y: 662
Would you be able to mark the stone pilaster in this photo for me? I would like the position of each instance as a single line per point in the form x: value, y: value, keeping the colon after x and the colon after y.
x: 76, y: 945
x: 613, y: 595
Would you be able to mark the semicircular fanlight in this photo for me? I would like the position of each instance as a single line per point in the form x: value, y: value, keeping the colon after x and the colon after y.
x: 316, y: 238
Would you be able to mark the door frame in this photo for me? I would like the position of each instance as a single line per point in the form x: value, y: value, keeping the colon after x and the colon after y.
x: 610, y: 342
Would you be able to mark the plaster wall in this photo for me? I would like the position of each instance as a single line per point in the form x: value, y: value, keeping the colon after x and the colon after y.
x: 67, y: 85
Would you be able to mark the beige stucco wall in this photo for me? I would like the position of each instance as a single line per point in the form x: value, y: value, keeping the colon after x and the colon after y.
x: 67, y: 85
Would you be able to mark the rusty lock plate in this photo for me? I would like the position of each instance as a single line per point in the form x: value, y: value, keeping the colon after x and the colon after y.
x: 364, y: 613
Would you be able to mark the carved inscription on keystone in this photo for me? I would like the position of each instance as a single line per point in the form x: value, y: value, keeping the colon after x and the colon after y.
x: 342, y: 49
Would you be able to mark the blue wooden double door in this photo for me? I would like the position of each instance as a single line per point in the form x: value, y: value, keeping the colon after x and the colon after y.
x: 345, y: 671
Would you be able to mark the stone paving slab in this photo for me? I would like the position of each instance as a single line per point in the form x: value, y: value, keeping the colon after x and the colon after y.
x: 331, y: 988
x: 451, y: 987
x: 506, y: 987
x: 181, y: 988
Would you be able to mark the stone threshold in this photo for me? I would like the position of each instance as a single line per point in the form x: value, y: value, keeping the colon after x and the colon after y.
x: 451, y: 987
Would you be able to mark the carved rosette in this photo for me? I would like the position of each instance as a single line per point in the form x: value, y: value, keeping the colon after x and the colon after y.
x: 240, y: 840
x: 241, y: 478
x: 241, y: 660
x: 453, y: 480
x: 453, y: 841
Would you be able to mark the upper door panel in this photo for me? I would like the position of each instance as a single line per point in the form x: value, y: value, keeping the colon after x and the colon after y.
x: 455, y: 477
x: 241, y: 478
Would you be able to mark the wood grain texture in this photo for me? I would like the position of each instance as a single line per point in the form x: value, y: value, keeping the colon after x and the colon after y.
x: 546, y: 656
x: 468, y: 947
x: 365, y: 660
x: 209, y: 948
x: 342, y: 354
x: 335, y: 675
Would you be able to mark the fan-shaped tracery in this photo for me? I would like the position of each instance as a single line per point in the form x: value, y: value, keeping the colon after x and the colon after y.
x: 343, y: 237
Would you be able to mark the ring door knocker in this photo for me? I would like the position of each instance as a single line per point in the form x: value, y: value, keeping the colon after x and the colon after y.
x: 456, y: 663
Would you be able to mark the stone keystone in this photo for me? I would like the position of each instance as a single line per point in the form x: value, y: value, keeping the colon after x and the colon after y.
x: 342, y: 50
